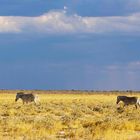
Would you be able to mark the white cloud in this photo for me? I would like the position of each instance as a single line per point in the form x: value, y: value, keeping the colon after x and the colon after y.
x: 123, y: 75
x: 129, y: 67
x: 61, y: 22
x: 134, y: 65
x: 7, y: 24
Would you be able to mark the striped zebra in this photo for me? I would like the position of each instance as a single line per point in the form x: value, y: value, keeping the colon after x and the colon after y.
x: 129, y: 100
x: 26, y: 98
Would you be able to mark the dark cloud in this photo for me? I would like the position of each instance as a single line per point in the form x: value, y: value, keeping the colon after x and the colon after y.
x: 70, y: 62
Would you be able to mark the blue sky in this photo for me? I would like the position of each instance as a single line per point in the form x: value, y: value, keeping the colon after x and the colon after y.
x: 83, y: 44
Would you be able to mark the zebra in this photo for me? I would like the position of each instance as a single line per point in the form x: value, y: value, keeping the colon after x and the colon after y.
x: 26, y: 98
x: 129, y: 100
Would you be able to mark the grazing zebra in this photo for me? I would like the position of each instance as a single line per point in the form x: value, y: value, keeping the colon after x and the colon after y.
x: 129, y: 100
x: 26, y: 98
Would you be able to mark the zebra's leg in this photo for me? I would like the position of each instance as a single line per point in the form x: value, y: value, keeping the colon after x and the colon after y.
x: 124, y: 105
x: 136, y: 106
x: 34, y: 102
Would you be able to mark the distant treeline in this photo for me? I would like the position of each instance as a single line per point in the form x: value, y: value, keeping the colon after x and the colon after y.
x: 36, y: 91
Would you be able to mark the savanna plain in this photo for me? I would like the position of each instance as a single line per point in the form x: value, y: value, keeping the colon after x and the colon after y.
x: 68, y: 115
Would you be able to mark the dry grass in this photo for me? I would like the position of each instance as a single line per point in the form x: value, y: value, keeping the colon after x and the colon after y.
x: 68, y: 117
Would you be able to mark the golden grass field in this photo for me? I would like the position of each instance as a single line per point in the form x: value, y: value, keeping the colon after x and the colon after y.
x: 68, y: 115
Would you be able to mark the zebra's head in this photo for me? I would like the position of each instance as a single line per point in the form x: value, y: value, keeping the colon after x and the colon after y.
x: 19, y: 95
x: 118, y: 99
